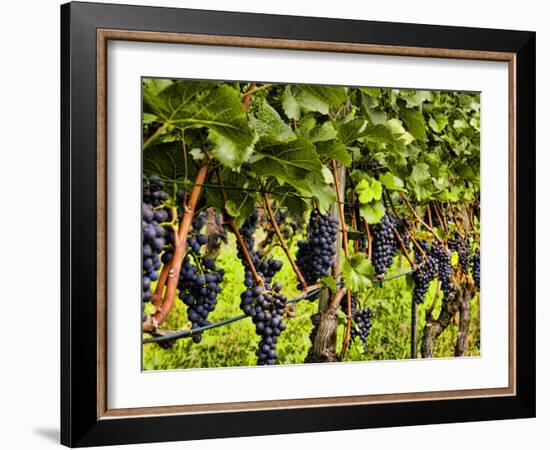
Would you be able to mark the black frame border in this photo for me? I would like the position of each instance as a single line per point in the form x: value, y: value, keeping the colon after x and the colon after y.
x: 79, y: 423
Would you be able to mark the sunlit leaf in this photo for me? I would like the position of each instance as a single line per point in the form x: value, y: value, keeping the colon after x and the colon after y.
x: 357, y: 272
x: 373, y: 211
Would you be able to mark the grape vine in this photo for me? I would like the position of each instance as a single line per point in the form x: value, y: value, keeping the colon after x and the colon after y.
x: 316, y: 254
x: 357, y: 199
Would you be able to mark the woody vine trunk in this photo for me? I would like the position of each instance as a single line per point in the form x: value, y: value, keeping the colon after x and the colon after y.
x: 323, y: 336
x: 461, y: 348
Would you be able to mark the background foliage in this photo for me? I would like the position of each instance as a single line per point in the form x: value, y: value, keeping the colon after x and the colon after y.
x: 282, y: 139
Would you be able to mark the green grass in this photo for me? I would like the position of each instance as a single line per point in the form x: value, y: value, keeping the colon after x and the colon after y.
x: 235, y: 344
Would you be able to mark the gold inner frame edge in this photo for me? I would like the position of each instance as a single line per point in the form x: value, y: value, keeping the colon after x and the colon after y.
x: 103, y: 36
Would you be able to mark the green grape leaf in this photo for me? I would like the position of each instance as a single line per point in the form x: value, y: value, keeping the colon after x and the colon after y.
x: 351, y: 130
x: 318, y: 98
x: 440, y: 233
x: 330, y: 282
x: 192, y: 104
x: 231, y: 208
x: 164, y: 159
x: 290, y: 104
x: 269, y: 125
x: 305, y: 126
x: 414, y: 99
x: 313, y: 185
x: 420, y: 172
x: 289, y: 162
x: 372, y: 92
x: 454, y: 259
x: 295, y: 163
x: 227, y: 151
x: 148, y: 118
x: 460, y: 125
x: 167, y: 98
x: 368, y: 189
x: 396, y: 128
x: 296, y: 205
x: 372, y: 212
x: 155, y: 85
x: 438, y: 122
x: 392, y: 182
x: 240, y: 202
x: 377, y: 134
x: 475, y: 123
x: 357, y: 272
x: 325, y: 132
x: 415, y: 123
x: 334, y: 150
x: 327, y: 175
x: 375, y: 116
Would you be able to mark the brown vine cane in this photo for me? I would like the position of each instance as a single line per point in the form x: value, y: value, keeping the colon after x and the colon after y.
x: 180, y: 247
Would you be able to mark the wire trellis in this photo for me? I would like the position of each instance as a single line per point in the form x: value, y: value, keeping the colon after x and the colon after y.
x: 240, y: 188
x: 196, y: 331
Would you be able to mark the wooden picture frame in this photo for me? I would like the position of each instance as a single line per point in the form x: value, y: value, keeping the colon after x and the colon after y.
x: 85, y: 416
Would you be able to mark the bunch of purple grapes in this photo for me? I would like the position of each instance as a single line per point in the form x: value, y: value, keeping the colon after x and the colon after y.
x: 384, y: 245
x: 315, y: 256
x: 199, y: 281
x: 442, y: 257
x: 461, y: 245
x: 425, y: 271
x: 264, y: 304
x: 265, y: 266
x: 476, y: 268
x: 363, y: 324
x: 153, y: 233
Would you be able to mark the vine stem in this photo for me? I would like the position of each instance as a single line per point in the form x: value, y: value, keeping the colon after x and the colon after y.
x: 248, y: 95
x: 155, y: 136
x: 180, y: 248
x: 417, y: 245
x: 369, y: 239
x: 434, y: 301
x: 430, y: 216
x: 471, y: 217
x: 283, y: 243
x: 407, y: 231
x: 157, y: 296
x: 414, y: 328
x: 430, y: 229
x: 185, y: 164
x: 259, y: 280
x: 336, y: 299
x: 460, y: 232
x: 235, y: 229
x: 339, y: 196
x: 258, y: 89
x: 441, y: 217
x: 403, y: 247
x: 354, y: 223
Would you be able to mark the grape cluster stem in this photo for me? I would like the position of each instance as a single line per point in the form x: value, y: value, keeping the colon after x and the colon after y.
x: 257, y: 278
x: 429, y: 228
x: 407, y: 231
x: 297, y: 271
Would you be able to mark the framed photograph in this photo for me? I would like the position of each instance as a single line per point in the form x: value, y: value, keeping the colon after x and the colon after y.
x: 275, y: 224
